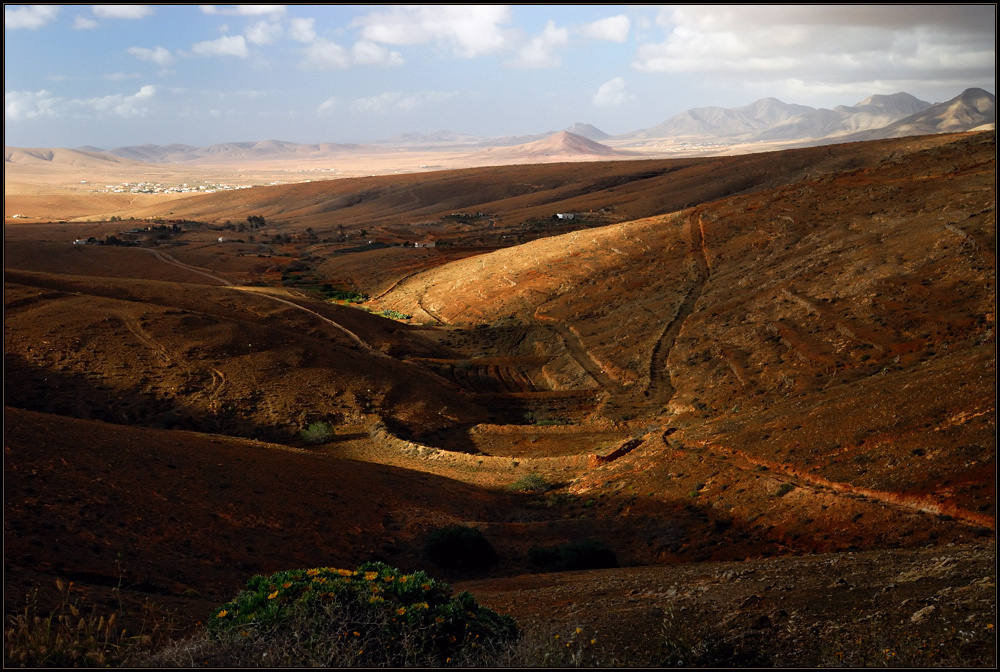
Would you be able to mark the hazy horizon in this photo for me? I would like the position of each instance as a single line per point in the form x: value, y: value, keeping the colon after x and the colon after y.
x: 112, y: 76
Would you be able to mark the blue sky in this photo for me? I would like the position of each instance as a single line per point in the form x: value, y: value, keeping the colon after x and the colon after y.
x: 121, y: 75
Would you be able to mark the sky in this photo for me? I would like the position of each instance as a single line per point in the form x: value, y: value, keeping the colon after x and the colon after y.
x: 119, y: 75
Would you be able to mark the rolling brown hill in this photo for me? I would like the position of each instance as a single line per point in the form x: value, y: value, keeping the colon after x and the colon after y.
x: 511, y: 195
x: 721, y: 364
x: 792, y: 322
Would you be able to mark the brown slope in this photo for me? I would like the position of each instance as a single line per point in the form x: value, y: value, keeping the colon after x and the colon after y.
x: 511, y: 195
x: 163, y: 512
x: 212, y: 358
x: 866, y: 284
x: 181, y: 520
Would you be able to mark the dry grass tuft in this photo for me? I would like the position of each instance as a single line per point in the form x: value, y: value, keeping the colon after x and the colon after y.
x: 73, y: 635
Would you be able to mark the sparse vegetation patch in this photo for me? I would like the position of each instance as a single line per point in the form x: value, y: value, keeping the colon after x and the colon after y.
x: 331, y: 293
x: 317, y: 432
x: 533, y: 482
x: 394, y: 315
x: 74, y: 635
x: 784, y: 489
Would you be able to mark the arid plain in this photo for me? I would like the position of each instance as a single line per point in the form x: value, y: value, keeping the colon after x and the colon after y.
x: 766, y: 382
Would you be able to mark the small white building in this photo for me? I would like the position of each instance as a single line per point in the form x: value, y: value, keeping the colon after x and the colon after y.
x: 565, y: 215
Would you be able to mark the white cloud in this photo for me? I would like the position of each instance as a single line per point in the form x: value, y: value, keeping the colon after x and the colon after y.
x: 612, y: 29
x: 467, y: 30
x: 263, y: 32
x: 227, y: 45
x: 612, y: 93
x: 122, y: 105
x: 22, y: 105
x: 30, y: 16
x: 369, y: 53
x: 539, y: 52
x: 828, y: 43
x: 83, y: 23
x: 27, y: 105
x: 160, y: 56
x: 302, y: 30
x: 121, y: 11
x: 325, y: 55
x: 394, y: 102
x: 243, y: 10
x: 327, y: 107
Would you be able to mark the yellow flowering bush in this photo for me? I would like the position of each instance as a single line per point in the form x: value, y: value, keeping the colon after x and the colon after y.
x: 374, y: 615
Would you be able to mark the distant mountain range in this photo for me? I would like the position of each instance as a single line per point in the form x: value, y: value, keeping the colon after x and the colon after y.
x: 972, y: 109
x: 766, y: 120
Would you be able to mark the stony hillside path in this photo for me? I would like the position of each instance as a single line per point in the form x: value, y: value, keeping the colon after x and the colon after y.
x: 801, y: 478
x: 168, y: 259
x: 661, y: 389
x: 269, y: 294
x: 570, y: 340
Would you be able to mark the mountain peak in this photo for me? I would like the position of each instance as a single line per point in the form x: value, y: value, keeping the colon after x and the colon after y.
x: 982, y: 101
x: 901, y: 103
x: 587, y: 131
x: 566, y: 142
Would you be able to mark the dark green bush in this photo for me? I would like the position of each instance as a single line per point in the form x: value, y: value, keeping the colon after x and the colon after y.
x: 531, y: 483
x: 784, y: 489
x: 394, y: 315
x: 343, y: 295
x: 317, y: 432
x: 459, y: 547
x: 374, y: 616
x: 582, y: 554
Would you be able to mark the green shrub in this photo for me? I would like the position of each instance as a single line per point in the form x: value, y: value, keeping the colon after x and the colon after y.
x: 373, y: 616
x: 531, y: 483
x: 394, y: 315
x: 582, y: 554
x: 784, y: 489
x: 334, y: 294
x: 459, y: 547
x: 317, y: 432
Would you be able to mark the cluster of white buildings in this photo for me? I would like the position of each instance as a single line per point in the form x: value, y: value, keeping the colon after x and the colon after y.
x: 157, y: 188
